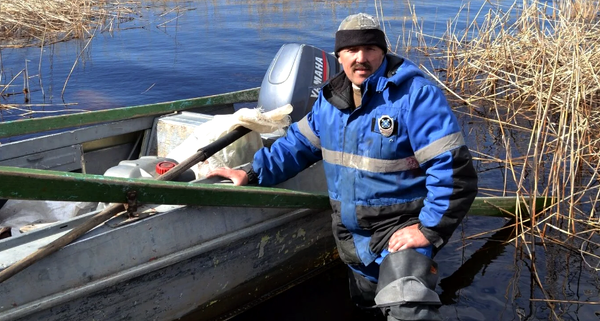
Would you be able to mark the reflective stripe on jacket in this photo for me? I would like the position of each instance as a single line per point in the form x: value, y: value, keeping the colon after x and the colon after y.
x: 398, y: 159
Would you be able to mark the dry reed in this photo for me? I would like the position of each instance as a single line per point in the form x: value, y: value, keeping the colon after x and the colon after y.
x: 530, y: 72
x: 40, y: 22
x: 534, y: 70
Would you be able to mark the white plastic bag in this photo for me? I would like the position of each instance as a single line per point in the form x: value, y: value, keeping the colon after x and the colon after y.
x: 18, y: 213
x: 239, y: 152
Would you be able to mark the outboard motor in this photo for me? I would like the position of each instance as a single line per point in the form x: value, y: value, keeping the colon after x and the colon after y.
x: 295, y: 77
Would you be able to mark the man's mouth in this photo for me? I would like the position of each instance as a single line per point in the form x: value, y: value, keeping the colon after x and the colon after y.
x: 361, y: 68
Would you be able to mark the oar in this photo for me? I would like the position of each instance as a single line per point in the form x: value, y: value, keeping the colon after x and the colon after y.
x: 200, y: 156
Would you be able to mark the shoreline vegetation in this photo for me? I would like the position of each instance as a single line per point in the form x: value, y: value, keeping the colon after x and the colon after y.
x: 528, y: 73
x: 43, y: 22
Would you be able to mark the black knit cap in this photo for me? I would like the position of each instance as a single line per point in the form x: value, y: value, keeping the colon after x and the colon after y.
x: 359, y: 29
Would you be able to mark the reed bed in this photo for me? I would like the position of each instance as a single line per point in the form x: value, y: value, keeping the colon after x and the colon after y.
x: 40, y: 22
x: 534, y: 71
x: 530, y: 73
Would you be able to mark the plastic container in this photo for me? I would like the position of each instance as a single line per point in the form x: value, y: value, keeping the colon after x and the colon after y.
x: 147, y: 167
x: 164, y: 166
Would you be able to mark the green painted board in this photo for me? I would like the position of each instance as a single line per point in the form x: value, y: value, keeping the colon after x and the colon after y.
x: 33, y: 184
x: 505, y: 206
x: 36, y: 125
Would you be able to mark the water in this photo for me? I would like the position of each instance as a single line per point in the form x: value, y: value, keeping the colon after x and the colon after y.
x: 481, y: 278
x: 185, y: 49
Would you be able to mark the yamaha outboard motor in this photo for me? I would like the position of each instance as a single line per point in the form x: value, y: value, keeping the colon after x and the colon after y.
x: 295, y: 77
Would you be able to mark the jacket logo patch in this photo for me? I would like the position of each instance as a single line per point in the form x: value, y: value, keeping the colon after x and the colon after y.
x: 386, y: 125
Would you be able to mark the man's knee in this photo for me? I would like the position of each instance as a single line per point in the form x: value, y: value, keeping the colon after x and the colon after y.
x: 406, y: 287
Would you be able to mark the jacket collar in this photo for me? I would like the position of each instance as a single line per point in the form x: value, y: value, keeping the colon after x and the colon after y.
x: 338, y: 91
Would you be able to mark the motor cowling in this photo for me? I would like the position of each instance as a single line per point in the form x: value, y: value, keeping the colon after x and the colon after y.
x: 295, y: 77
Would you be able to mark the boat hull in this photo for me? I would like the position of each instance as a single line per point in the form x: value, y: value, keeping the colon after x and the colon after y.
x: 106, y: 276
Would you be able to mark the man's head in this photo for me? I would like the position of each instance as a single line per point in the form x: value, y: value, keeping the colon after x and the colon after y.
x: 360, y: 46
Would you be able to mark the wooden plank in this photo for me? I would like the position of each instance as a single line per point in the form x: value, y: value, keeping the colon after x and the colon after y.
x: 36, y: 125
x: 31, y: 184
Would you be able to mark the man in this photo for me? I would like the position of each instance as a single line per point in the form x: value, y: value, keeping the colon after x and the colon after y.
x: 399, y: 175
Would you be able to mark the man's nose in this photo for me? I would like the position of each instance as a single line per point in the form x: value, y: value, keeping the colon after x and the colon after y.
x: 360, y: 56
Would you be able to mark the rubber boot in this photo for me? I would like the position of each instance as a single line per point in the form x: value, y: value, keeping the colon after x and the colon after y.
x: 362, y: 293
x: 406, y: 287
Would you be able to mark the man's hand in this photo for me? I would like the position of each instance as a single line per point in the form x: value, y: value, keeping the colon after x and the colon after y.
x: 237, y: 176
x: 406, y: 238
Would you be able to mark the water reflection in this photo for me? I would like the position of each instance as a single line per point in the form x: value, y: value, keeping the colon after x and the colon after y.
x: 463, y: 277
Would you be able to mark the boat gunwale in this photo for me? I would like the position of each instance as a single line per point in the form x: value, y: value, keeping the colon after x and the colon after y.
x: 49, y: 123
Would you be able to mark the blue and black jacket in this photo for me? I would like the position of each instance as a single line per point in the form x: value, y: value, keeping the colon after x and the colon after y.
x: 396, y: 160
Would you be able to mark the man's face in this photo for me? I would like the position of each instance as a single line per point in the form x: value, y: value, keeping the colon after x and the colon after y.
x: 360, y: 62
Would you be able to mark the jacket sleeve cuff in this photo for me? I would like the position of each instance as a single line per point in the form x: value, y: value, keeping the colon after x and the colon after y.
x: 252, y: 176
x: 433, y: 237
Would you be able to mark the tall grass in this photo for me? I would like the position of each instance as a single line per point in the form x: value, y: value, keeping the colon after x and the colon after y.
x: 42, y: 23
x: 39, y: 22
x: 531, y: 73
x: 534, y: 70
